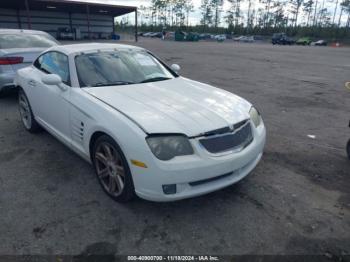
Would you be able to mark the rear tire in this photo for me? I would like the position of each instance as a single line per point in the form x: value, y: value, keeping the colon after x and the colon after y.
x: 25, y: 110
x: 112, y: 169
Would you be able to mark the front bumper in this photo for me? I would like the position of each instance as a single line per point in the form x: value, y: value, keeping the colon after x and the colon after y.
x: 197, y: 174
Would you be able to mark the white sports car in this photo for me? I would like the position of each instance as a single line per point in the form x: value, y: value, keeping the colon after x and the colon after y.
x: 145, y: 129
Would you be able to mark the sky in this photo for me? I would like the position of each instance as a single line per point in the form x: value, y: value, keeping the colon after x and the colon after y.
x: 194, y: 16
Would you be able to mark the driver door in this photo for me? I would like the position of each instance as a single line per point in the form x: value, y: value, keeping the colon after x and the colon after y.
x: 53, y: 108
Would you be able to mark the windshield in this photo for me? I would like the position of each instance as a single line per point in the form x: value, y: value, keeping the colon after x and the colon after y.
x: 8, y: 41
x: 119, y: 68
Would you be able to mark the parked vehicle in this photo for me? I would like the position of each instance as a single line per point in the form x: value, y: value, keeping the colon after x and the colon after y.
x: 304, y: 41
x: 204, y: 36
x: 238, y: 38
x: 229, y: 36
x: 115, y: 36
x: 192, y: 37
x: 148, y: 34
x: 244, y: 39
x: 180, y: 35
x: 220, y: 38
x: 282, y: 39
x: 170, y: 36
x: 140, y: 128
x: 18, y: 49
x: 258, y: 38
x: 65, y: 33
x: 247, y: 39
x: 320, y: 43
x: 156, y: 35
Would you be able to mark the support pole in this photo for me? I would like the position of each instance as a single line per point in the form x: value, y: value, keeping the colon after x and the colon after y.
x: 136, y: 36
x: 71, y: 26
x: 18, y: 19
x: 70, y: 21
x: 28, y: 14
x: 113, y: 25
x: 88, y: 20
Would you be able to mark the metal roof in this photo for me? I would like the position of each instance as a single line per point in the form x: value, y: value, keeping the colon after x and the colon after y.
x: 69, y: 6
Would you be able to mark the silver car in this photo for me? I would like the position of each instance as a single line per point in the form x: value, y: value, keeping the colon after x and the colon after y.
x: 18, y: 49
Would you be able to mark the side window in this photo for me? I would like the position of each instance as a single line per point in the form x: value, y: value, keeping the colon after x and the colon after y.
x: 38, y: 62
x: 54, y: 63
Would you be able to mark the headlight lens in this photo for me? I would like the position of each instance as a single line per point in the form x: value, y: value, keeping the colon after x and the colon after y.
x: 168, y: 147
x: 255, y: 116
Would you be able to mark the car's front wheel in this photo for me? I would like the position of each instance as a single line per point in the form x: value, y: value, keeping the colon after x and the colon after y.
x: 26, y: 113
x: 112, y: 169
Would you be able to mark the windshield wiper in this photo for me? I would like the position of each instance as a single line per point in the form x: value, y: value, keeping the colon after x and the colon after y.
x: 155, y: 79
x: 117, y: 83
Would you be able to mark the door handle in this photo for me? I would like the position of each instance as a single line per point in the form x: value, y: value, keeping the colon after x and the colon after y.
x: 31, y: 83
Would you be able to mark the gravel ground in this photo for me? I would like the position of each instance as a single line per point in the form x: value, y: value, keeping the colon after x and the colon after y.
x: 297, y: 200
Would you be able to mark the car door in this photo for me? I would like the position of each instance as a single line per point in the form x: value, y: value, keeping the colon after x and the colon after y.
x: 52, y: 105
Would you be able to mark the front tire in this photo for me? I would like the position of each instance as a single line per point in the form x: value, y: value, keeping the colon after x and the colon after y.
x: 112, y: 169
x: 26, y: 113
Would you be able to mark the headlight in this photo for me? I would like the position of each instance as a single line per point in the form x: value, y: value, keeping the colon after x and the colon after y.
x: 255, y: 116
x: 168, y: 147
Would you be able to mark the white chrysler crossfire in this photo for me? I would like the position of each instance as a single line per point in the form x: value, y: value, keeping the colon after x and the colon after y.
x: 146, y: 130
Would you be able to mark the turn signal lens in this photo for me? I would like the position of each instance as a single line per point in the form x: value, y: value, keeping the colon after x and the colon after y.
x: 138, y: 163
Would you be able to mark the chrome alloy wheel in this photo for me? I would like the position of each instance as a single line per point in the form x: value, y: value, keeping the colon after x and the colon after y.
x: 110, y: 169
x: 24, y: 110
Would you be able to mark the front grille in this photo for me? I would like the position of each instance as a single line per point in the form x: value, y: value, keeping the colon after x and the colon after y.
x: 238, y: 139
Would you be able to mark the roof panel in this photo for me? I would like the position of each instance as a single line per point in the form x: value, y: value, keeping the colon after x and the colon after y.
x: 69, y: 6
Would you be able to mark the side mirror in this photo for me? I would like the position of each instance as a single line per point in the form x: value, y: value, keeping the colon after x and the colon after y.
x: 175, y: 67
x: 347, y: 85
x: 51, y: 79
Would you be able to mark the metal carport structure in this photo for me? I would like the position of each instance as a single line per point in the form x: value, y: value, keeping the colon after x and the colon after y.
x: 31, y: 14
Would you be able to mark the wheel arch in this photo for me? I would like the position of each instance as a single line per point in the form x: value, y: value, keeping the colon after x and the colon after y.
x: 101, y: 132
x: 130, y: 189
x: 93, y: 139
x: 19, y: 87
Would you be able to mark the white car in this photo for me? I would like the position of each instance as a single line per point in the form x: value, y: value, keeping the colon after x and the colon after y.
x: 145, y: 129
x: 238, y: 38
x: 220, y: 37
x: 247, y: 39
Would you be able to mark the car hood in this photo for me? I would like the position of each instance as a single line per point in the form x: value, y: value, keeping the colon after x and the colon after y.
x: 179, y: 105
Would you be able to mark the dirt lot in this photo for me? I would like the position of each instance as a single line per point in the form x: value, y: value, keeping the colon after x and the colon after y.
x: 297, y: 201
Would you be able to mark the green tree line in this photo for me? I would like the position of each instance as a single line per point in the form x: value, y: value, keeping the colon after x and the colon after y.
x: 318, y: 18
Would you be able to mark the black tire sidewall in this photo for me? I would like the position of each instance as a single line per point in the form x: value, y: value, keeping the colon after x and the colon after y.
x: 348, y: 149
x: 35, y: 127
x: 129, y: 189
